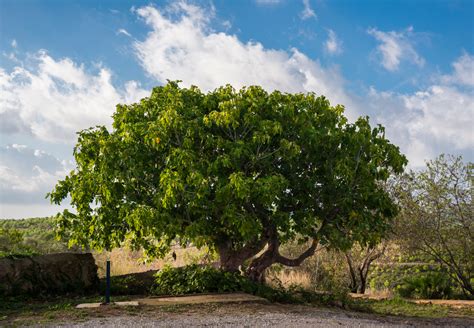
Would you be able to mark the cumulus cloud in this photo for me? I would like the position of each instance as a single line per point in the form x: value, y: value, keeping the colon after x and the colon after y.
x: 463, y: 71
x: 424, y: 123
x: 333, y: 45
x: 307, y: 11
x: 428, y: 122
x: 56, y: 98
x: 184, y: 47
x: 27, y: 174
x: 395, y: 47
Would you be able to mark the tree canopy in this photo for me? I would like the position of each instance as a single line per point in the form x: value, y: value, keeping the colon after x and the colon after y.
x: 241, y: 171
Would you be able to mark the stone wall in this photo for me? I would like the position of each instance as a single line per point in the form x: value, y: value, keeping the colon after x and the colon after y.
x: 58, y: 273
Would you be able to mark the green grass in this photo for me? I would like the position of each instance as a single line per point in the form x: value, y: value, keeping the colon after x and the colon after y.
x: 26, y: 311
x: 402, y: 307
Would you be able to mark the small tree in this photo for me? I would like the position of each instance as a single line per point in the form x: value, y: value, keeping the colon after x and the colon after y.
x: 11, y: 241
x: 238, y: 171
x: 359, y: 260
x: 436, y: 216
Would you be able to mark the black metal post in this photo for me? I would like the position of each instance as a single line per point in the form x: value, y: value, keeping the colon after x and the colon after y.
x: 107, y: 288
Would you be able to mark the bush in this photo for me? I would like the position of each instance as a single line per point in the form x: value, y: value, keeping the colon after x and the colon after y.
x: 433, y: 285
x: 194, y: 279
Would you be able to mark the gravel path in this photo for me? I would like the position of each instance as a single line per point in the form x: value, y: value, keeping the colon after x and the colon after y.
x: 260, y: 315
x: 266, y: 320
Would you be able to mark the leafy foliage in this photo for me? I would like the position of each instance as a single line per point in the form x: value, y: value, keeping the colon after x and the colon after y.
x: 196, y: 279
x: 193, y: 279
x: 232, y: 170
x: 431, y: 285
x: 437, y: 218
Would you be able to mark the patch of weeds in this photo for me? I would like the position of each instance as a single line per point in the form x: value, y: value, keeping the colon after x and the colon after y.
x: 81, y: 315
x: 401, y: 307
x: 50, y: 315
x: 301, y: 295
x: 60, y: 306
x: 132, y: 310
x: 21, y: 310
x: 175, y: 308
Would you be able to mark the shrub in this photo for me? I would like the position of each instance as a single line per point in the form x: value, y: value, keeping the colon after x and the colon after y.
x: 431, y: 285
x: 194, y: 279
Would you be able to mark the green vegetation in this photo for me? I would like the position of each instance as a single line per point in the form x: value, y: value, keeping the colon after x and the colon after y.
x: 430, y: 285
x: 402, y: 307
x: 238, y: 171
x: 29, y: 237
x: 262, y: 182
x: 412, y: 280
x: 21, y: 311
x: 436, y: 218
x: 196, y: 279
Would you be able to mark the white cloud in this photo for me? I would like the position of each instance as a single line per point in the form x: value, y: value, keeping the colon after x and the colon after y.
x: 436, y: 119
x: 430, y: 121
x: 27, y: 174
x: 227, y: 25
x: 395, y: 47
x: 307, y: 11
x: 185, y: 48
x: 463, y: 71
x: 14, y: 44
x: 124, y: 32
x: 57, y: 98
x: 333, y: 45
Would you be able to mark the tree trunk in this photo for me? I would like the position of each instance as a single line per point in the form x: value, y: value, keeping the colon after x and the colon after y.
x: 353, y: 285
x: 228, y: 261
x: 256, y: 270
x: 231, y: 259
x: 363, y: 280
x: 359, y: 280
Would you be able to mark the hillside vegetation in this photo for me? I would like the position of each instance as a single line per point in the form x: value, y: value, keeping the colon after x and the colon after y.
x: 29, y: 236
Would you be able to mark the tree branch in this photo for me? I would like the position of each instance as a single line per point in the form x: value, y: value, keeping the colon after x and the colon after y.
x: 297, y: 261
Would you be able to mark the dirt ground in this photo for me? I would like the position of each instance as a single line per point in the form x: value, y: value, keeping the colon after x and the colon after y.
x: 226, y: 310
x: 239, y: 315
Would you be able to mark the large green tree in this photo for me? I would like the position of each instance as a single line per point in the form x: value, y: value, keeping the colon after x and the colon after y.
x: 240, y: 171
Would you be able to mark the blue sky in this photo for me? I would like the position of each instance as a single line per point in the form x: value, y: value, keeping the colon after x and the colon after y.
x: 65, y: 64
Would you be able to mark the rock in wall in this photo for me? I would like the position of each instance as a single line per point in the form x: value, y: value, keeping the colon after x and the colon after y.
x: 49, y: 274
